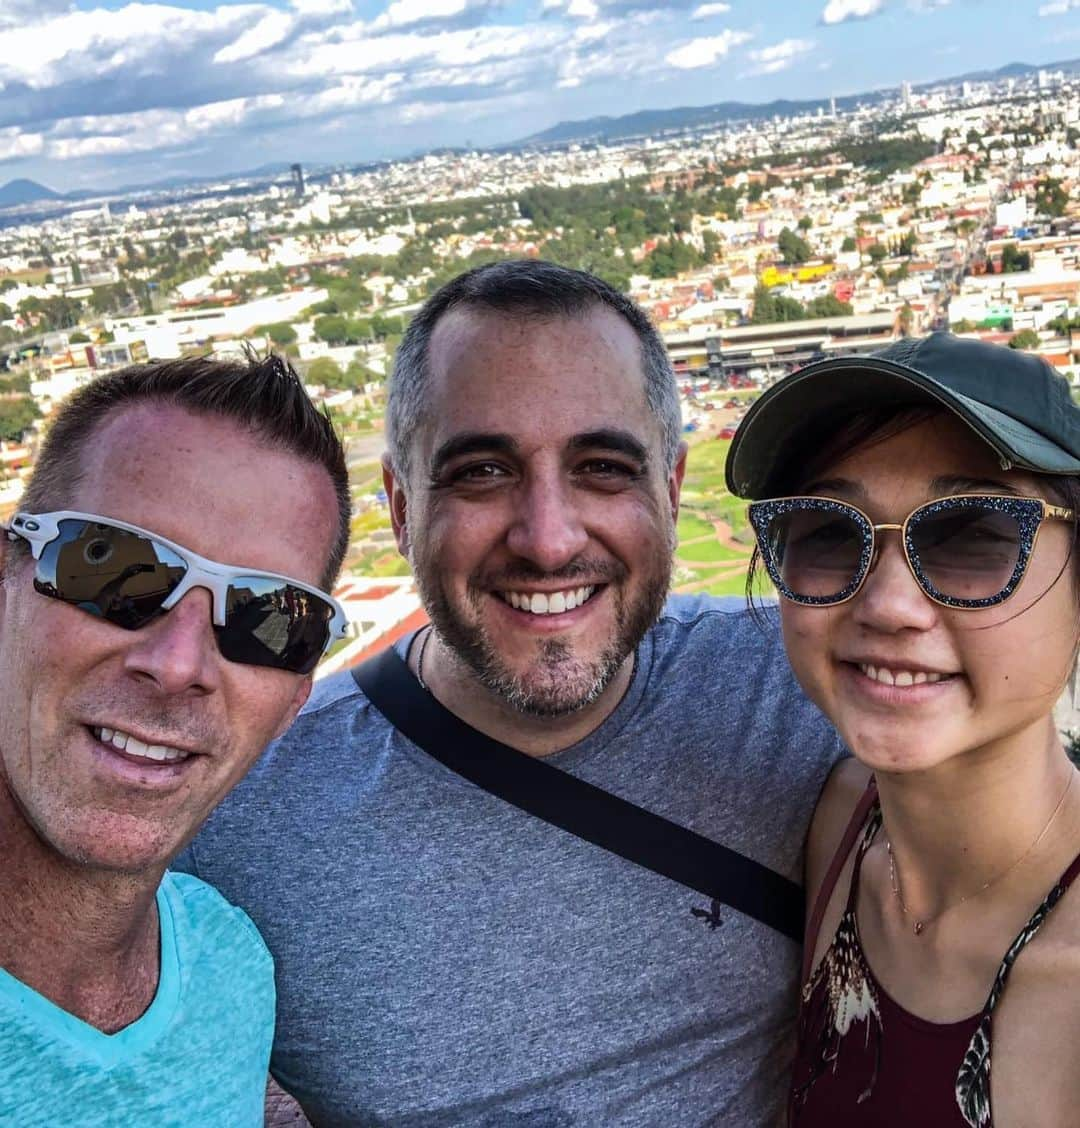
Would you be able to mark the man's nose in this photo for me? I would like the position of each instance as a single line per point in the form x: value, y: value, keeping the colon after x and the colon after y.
x: 547, y: 529
x: 178, y: 651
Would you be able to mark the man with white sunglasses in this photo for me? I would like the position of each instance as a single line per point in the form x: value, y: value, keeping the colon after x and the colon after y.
x: 163, y: 604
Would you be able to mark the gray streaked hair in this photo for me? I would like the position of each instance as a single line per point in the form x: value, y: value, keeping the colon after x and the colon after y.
x: 522, y: 288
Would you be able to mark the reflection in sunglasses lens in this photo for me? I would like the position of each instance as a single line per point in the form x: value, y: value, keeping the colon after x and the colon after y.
x: 109, y: 572
x: 272, y: 624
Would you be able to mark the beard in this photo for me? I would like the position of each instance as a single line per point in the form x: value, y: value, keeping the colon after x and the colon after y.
x: 559, y: 681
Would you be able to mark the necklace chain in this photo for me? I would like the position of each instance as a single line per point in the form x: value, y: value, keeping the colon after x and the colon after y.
x: 919, y: 924
x: 420, y: 659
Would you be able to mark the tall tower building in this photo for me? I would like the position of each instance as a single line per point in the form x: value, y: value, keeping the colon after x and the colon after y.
x: 298, y: 180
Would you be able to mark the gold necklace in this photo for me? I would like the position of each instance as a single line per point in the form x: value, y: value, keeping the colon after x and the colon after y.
x: 919, y: 925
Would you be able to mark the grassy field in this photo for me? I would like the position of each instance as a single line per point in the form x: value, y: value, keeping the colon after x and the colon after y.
x: 716, y: 565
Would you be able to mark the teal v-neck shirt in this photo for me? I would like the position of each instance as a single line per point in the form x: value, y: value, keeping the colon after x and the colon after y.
x: 197, y: 1056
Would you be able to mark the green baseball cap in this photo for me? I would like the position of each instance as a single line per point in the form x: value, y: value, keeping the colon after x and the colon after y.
x: 1013, y: 400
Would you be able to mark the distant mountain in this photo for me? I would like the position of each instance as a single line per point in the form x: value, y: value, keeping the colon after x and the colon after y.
x: 649, y: 122
x: 646, y: 122
x: 1010, y: 70
x: 16, y: 192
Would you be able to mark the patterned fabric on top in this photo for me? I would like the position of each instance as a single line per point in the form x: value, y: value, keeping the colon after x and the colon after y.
x: 862, y: 1060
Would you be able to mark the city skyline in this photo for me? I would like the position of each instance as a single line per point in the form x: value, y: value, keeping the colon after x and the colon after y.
x: 102, y: 93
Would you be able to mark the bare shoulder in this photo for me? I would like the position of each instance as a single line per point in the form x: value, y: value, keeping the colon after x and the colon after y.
x: 839, y: 797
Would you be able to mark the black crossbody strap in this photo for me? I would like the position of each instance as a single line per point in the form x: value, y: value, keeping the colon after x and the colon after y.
x: 579, y: 807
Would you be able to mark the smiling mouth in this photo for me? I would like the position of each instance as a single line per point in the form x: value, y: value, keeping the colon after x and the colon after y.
x: 549, y: 602
x: 885, y: 676
x: 133, y: 746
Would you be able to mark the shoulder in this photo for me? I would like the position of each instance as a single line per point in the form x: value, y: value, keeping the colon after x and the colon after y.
x: 839, y: 798
x: 334, y: 692
x: 201, y: 914
x: 726, y: 622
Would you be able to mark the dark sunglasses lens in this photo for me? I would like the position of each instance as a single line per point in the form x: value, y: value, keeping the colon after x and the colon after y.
x: 967, y: 553
x: 268, y: 623
x: 116, y: 575
x: 817, y: 553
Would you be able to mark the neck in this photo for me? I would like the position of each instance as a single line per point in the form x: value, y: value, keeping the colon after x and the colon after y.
x: 456, y: 687
x: 84, y: 938
x: 980, y: 818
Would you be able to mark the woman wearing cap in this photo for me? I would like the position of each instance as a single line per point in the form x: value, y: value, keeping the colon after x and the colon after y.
x: 917, y: 512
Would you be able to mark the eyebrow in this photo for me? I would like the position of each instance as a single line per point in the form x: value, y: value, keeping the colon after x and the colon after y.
x: 498, y: 442
x: 958, y: 484
x: 614, y: 439
x: 472, y: 442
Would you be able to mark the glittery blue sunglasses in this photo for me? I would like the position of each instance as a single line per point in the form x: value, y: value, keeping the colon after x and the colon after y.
x: 967, y: 551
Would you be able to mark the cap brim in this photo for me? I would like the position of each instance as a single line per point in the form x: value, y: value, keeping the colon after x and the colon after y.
x: 792, y: 409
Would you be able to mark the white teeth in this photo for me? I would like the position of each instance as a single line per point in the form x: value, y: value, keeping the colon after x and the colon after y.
x: 125, y: 742
x: 541, y: 603
x: 899, y: 677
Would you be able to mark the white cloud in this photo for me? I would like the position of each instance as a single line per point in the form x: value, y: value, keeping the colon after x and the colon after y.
x: 322, y: 7
x: 412, y: 13
x: 1058, y: 7
x: 16, y: 12
x: 780, y: 56
x: 50, y: 52
x: 706, y: 51
x: 271, y: 30
x: 707, y: 11
x: 837, y: 11
x: 15, y: 144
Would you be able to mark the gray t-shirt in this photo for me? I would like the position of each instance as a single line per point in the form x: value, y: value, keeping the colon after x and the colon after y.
x: 445, y: 959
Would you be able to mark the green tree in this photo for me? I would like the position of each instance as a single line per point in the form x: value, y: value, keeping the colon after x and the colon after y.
x: 281, y: 333
x: 333, y: 329
x: 805, y: 223
x: 1025, y: 339
x: 793, y: 248
x: 770, y: 307
x: 848, y: 245
x: 326, y: 372
x: 877, y: 252
x: 828, y: 305
x: 79, y: 338
x: 1013, y: 260
x: 711, y: 246
x: 16, y: 415
x: 1050, y: 198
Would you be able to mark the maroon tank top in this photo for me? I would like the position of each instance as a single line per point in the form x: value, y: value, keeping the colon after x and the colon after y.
x: 862, y: 1061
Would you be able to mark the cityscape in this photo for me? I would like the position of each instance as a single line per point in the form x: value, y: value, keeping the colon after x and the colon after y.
x: 757, y: 243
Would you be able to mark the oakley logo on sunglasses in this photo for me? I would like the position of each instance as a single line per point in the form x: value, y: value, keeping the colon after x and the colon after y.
x: 129, y: 576
x: 967, y: 551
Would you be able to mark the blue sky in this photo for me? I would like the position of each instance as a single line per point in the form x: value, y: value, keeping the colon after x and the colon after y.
x: 99, y: 93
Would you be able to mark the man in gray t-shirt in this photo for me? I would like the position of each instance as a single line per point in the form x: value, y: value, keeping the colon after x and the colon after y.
x: 444, y: 958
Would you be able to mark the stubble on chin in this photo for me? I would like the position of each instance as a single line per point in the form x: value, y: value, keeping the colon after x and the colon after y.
x: 558, y: 682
